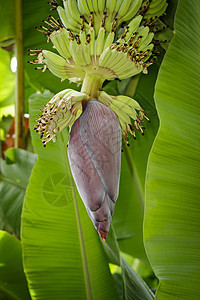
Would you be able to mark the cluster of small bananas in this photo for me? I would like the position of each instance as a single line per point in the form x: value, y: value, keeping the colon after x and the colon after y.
x: 126, y: 109
x: 60, y: 111
x: 65, y: 107
x: 87, y: 39
x: 93, y: 42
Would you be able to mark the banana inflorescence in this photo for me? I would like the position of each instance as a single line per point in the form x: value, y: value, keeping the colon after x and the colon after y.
x: 88, y: 36
x: 97, y: 41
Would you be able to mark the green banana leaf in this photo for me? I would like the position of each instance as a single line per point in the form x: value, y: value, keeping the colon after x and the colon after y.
x: 172, y: 216
x: 7, y: 31
x: 13, y: 283
x: 133, y: 285
x: 14, y: 175
x: 63, y: 253
x: 5, y: 125
x: 7, y: 81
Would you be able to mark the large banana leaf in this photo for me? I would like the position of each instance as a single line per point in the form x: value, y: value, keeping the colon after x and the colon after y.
x: 172, y: 217
x: 13, y: 283
x: 15, y: 171
x: 63, y: 254
x: 7, y: 22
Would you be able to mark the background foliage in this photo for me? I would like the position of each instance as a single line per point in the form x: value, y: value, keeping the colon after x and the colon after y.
x: 63, y: 257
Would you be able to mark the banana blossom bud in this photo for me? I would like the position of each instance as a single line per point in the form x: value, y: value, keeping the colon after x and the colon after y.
x: 94, y: 153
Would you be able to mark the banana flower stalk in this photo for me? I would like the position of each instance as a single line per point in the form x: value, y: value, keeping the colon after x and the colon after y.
x: 96, y: 41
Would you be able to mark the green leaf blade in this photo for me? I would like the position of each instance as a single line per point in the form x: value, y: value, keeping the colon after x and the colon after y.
x: 15, y: 172
x: 172, y: 212
x: 133, y: 285
x: 13, y: 283
x: 7, y: 81
x: 7, y: 21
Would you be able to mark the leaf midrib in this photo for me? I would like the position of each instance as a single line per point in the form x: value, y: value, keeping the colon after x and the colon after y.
x: 12, y: 182
x: 8, y: 293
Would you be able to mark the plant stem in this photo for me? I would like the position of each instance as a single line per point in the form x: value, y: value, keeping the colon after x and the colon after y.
x: 91, y: 85
x: 19, y: 102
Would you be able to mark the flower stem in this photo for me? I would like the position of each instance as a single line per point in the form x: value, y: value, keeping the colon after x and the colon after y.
x: 91, y: 85
x: 19, y: 104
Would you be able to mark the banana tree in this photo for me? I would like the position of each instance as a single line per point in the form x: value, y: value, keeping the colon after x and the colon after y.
x: 107, y: 55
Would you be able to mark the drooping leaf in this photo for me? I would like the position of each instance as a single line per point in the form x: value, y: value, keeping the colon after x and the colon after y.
x: 172, y: 223
x: 15, y: 172
x: 59, y: 241
x: 133, y: 285
x: 13, y: 283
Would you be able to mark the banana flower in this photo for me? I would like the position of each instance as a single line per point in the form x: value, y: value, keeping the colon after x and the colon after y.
x: 96, y: 41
